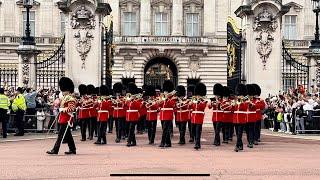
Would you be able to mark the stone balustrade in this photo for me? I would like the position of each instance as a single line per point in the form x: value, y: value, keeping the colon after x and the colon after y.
x: 297, y: 43
x: 39, y: 40
x: 164, y: 40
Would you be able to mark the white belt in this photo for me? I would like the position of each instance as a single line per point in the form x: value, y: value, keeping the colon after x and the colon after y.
x: 151, y: 111
x: 227, y: 111
x: 167, y: 109
x: 183, y: 111
x: 257, y: 109
x: 198, y: 112
x: 117, y: 108
x: 244, y: 112
x: 132, y: 110
x: 103, y: 111
x: 217, y: 111
x: 84, y: 108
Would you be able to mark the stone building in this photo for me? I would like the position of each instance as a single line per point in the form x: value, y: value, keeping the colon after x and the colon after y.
x: 181, y: 40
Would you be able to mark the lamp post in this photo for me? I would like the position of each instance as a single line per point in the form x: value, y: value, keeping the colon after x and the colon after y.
x: 28, y: 39
x: 315, y: 44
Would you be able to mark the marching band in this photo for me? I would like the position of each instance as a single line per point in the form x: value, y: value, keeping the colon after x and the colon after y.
x: 96, y: 107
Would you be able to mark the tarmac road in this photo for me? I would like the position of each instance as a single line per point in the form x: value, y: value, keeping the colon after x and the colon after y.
x: 275, y: 158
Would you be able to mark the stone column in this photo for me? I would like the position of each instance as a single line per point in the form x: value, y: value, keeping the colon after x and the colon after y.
x: 116, y: 16
x: 177, y: 18
x: 145, y: 23
x: 83, y: 40
x: 263, y: 49
x: 27, y: 55
x: 209, y: 17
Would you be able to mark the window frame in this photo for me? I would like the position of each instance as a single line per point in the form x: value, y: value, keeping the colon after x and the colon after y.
x: 123, y: 24
x: 161, y: 22
x: 24, y: 23
x: 192, y: 24
x: 288, y: 27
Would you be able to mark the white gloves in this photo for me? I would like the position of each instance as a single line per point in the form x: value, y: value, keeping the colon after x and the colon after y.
x: 61, y: 109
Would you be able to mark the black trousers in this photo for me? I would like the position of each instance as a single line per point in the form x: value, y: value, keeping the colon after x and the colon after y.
x: 131, y: 135
x: 250, y: 132
x: 257, y: 130
x: 110, y: 125
x: 92, y: 126
x: 141, y: 124
x: 182, y: 130
x: 20, y: 121
x: 231, y: 131
x: 120, y: 127
x: 31, y: 111
x: 102, y: 131
x: 4, y: 119
x: 152, y: 128
x: 190, y: 129
x: 217, y: 128
x: 83, y: 126
x: 198, y: 131
x: 166, y: 134
x: 64, y: 128
x: 239, y: 132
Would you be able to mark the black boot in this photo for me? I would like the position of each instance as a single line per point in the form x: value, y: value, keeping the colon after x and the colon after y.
x: 70, y: 152
x: 236, y: 149
x: 52, y: 152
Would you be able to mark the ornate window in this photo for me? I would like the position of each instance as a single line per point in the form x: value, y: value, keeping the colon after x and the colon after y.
x: 161, y: 11
x: 62, y: 23
x: 129, y: 17
x: 32, y: 20
x: 193, y: 13
x: 290, y: 27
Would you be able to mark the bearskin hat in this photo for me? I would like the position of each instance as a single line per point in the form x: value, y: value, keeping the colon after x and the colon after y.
x: 91, y: 89
x: 257, y: 89
x: 201, y: 89
x: 226, y: 91
x: 250, y: 89
x: 218, y: 89
x: 190, y: 89
x: 181, y: 91
x: 66, y: 84
x: 82, y: 89
x: 97, y: 91
x: 241, y: 89
x: 104, y: 90
x: 20, y: 89
x: 151, y: 90
x: 132, y: 88
x: 168, y: 86
x: 117, y: 87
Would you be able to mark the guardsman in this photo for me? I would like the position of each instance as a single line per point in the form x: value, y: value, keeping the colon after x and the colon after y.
x: 217, y: 112
x: 240, y: 108
x: 92, y: 110
x: 251, y: 116
x: 142, y: 112
x: 104, y: 108
x: 182, y: 113
x: 190, y: 94
x: 152, y: 106
x: 227, y: 115
x: 133, y: 105
x: 4, y: 109
x: 19, y: 107
x: 119, y: 112
x: 83, y: 113
x: 260, y: 106
x: 67, y: 107
x: 197, y: 116
x: 167, y: 106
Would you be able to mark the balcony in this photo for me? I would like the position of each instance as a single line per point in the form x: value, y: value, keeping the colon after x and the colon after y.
x: 296, y: 43
x: 15, y: 40
x: 167, y: 40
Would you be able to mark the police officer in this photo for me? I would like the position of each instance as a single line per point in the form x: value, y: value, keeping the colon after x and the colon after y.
x: 4, y: 107
x: 19, y: 107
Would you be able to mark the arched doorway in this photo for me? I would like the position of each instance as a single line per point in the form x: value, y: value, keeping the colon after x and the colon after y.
x: 158, y: 70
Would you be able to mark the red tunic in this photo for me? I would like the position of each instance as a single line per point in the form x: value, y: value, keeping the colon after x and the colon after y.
x: 104, y: 108
x: 260, y: 106
x: 251, y: 113
x: 93, y: 109
x: 197, y: 115
x: 217, y: 112
x: 240, y: 113
x: 132, y: 113
x: 119, y: 110
x: 182, y: 113
x: 143, y: 109
x: 84, y: 105
x: 152, y: 112
x: 166, y: 111
x: 227, y: 111
x: 68, y: 103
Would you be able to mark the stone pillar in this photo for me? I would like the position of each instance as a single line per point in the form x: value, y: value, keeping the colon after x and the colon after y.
x: 116, y: 16
x: 314, y: 62
x: 209, y: 17
x: 263, y: 49
x: 27, y: 55
x: 177, y: 18
x: 83, y: 39
x: 145, y: 23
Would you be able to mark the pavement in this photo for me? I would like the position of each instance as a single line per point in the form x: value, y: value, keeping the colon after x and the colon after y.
x: 276, y: 157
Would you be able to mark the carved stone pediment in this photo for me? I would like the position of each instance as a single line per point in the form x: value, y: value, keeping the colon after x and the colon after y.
x: 198, y: 3
x: 20, y: 3
x: 157, y: 3
x: 194, y: 63
x: 128, y: 63
x: 126, y: 2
